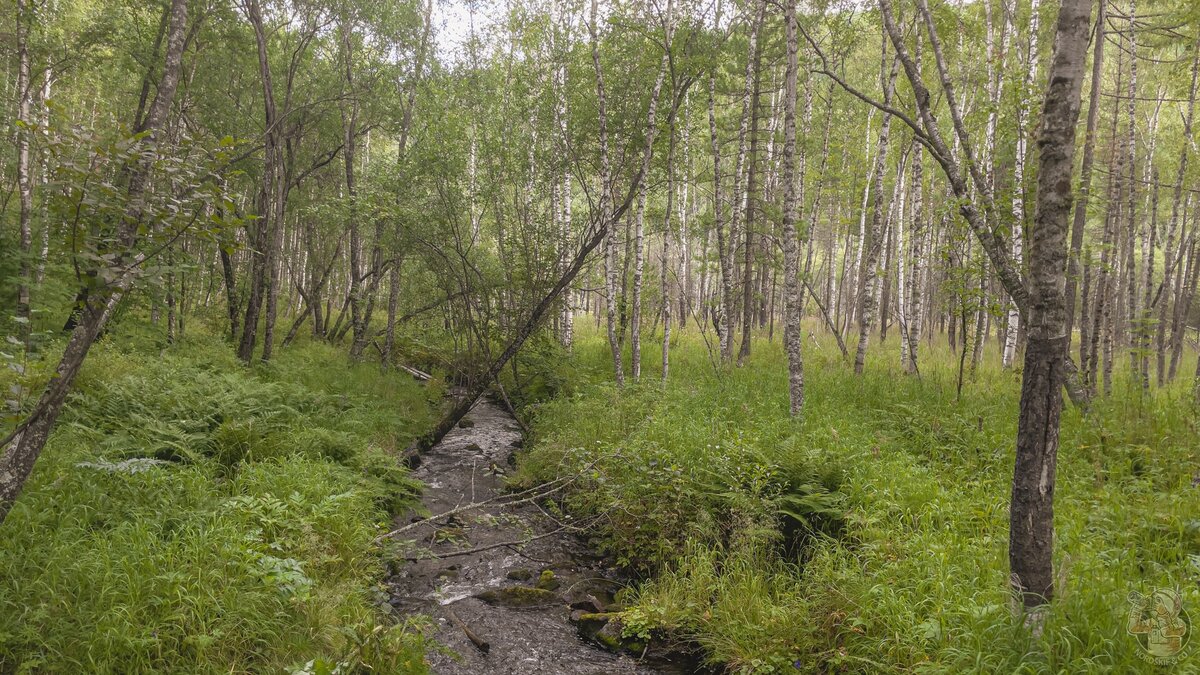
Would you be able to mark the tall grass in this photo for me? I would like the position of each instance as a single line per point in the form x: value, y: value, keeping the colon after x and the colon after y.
x: 903, y: 490
x: 193, y: 516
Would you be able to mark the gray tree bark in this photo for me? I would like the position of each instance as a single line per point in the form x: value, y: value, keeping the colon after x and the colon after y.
x: 1031, y: 512
x: 792, y: 337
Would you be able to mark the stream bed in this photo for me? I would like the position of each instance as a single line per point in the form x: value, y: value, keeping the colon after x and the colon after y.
x: 530, y: 608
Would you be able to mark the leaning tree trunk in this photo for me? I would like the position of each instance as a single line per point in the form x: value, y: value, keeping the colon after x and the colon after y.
x: 605, y: 219
x: 21, y: 449
x: 1031, y: 513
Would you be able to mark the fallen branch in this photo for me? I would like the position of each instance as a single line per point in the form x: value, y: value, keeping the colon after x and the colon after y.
x: 512, y: 410
x: 480, y: 644
x: 481, y: 549
x: 828, y: 323
x: 526, y: 496
x: 420, y: 375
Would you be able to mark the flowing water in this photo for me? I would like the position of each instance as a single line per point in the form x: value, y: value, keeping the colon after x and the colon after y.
x: 523, y: 624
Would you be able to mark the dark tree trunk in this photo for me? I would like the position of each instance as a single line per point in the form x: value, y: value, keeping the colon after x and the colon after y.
x: 1031, y: 512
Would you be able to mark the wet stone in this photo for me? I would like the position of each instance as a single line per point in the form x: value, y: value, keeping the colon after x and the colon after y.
x: 519, y: 596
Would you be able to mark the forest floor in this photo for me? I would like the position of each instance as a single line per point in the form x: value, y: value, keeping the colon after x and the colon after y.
x: 194, y: 515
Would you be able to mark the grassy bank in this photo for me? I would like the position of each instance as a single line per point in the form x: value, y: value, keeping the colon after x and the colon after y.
x: 192, y: 515
x: 872, y: 535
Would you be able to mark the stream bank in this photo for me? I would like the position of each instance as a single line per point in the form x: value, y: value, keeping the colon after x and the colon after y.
x: 534, y: 607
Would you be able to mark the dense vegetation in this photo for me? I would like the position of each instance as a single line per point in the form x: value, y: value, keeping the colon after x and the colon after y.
x: 895, y: 487
x: 789, y: 294
x: 192, y: 516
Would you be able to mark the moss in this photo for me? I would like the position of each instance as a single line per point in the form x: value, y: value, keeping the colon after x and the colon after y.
x: 518, y: 596
x: 547, y: 581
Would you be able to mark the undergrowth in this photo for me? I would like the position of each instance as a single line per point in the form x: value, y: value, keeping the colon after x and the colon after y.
x: 870, y: 536
x: 192, y: 515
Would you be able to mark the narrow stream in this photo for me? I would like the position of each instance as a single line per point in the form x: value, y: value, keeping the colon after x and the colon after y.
x: 517, y: 601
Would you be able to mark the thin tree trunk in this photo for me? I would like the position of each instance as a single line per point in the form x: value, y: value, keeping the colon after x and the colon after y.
x: 750, y: 118
x: 610, y: 244
x: 24, y: 18
x: 792, y: 338
x: 1019, y: 197
x: 724, y: 244
x: 1169, y: 254
x: 261, y: 243
x: 1079, y: 222
x: 651, y: 129
x: 873, y: 244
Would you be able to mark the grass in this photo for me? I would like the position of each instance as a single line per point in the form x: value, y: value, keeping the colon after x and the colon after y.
x: 192, y: 515
x: 871, y: 535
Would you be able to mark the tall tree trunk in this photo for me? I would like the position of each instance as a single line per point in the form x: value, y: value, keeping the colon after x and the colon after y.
x: 664, y: 262
x: 639, y: 227
x: 262, y: 239
x: 358, y: 300
x: 24, y: 19
x: 1031, y: 513
x: 610, y: 243
x: 873, y: 244
x: 724, y: 243
x: 1170, y: 257
x: 1132, y: 225
x: 792, y: 337
x: 389, y: 344
x: 750, y: 120
x: 1018, y: 229
x: 1079, y: 221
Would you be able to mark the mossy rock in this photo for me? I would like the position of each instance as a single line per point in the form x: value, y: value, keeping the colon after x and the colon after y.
x: 605, y: 630
x: 547, y: 581
x: 519, y: 596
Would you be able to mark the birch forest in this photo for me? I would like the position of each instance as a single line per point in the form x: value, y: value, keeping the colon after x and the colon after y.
x: 582, y: 336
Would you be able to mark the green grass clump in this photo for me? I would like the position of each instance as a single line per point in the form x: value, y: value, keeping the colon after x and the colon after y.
x: 191, y: 515
x: 896, y: 491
